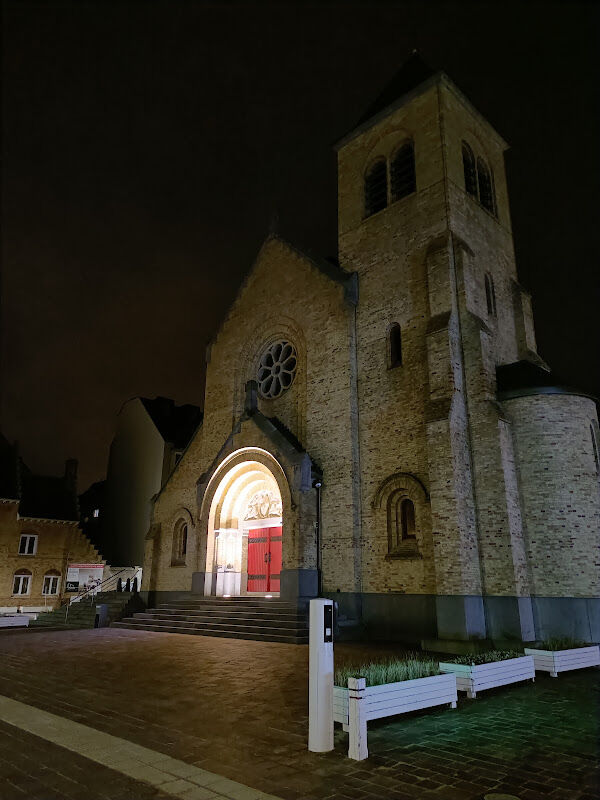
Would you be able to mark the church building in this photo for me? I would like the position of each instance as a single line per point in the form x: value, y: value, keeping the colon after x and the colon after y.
x: 381, y: 429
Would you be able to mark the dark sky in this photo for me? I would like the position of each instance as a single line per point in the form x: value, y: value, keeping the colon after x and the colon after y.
x: 146, y: 146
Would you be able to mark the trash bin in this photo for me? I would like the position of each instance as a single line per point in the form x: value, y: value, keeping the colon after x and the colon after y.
x: 101, y: 620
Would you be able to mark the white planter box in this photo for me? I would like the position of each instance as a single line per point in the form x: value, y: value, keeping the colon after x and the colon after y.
x: 555, y: 661
x: 473, y: 679
x: 358, y: 704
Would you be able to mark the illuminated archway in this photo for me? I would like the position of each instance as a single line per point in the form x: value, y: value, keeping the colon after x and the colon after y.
x: 244, y: 528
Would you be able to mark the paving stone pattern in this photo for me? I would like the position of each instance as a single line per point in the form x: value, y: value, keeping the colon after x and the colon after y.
x: 239, y: 708
x: 31, y: 767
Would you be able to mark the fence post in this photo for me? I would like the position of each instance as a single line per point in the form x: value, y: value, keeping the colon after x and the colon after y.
x: 320, y: 676
x: 356, y: 719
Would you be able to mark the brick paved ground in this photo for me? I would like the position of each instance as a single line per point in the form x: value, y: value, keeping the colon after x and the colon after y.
x: 239, y: 709
x: 31, y: 767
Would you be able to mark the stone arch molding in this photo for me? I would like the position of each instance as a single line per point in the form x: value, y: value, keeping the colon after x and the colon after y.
x: 414, y: 487
x: 181, y: 513
x: 386, y: 147
x: 236, y: 459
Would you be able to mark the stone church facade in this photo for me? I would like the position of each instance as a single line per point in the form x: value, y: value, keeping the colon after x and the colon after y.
x: 381, y: 429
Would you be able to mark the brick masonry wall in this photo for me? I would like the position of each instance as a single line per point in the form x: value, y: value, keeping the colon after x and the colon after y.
x: 560, y: 492
x: 267, y: 308
x: 58, y: 542
x: 431, y: 428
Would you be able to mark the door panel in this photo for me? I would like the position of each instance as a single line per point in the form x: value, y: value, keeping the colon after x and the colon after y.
x: 275, y: 545
x: 258, y: 556
x: 264, y: 559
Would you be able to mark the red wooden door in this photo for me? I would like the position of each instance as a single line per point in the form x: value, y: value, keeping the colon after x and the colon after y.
x: 258, y: 559
x: 264, y: 559
x: 275, y: 542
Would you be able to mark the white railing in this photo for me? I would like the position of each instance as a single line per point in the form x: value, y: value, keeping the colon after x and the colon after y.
x: 357, y: 705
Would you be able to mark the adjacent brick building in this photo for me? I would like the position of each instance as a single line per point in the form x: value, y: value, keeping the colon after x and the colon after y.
x: 381, y: 427
x: 39, y: 534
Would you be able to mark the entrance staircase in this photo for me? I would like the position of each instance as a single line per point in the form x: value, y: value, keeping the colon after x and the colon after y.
x: 83, y: 613
x: 268, y: 620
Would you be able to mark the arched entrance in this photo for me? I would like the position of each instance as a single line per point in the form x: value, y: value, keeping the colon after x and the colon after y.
x: 245, y: 523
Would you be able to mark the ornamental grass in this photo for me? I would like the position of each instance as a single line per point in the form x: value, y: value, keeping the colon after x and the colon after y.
x: 393, y: 671
x: 560, y: 643
x: 487, y: 657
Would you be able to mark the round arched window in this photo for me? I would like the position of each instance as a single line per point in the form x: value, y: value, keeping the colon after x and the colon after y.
x: 277, y: 368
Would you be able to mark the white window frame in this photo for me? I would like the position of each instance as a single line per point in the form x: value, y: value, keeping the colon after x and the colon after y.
x: 21, y: 579
x: 51, y: 579
x: 27, y: 537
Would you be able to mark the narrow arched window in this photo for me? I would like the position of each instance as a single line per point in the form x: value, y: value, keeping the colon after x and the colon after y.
x: 376, y: 188
x: 22, y: 582
x: 407, y: 519
x: 490, y: 295
x: 469, y: 170
x: 183, y: 541
x: 595, y: 449
x: 402, y: 172
x: 486, y: 190
x: 180, y: 543
x: 394, y: 346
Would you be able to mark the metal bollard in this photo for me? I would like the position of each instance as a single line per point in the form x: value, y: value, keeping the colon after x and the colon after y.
x: 320, y: 676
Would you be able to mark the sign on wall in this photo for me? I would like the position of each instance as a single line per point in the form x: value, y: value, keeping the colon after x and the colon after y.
x: 81, y: 577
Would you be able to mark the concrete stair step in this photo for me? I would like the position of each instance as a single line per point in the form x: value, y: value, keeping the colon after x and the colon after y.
x: 231, y: 605
x: 222, y: 621
x: 210, y: 613
x: 268, y: 636
x: 231, y: 625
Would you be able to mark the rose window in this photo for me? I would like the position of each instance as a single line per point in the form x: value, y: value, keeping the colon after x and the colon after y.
x: 277, y: 369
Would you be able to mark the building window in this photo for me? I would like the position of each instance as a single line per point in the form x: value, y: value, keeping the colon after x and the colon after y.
x: 180, y: 543
x: 276, y: 369
x: 394, y: 346
x: 22, y: 582
x: 469, y: 170
x: 486, y: 190
x: 402, y: 172
x: 51, y: 581
x: 595, y: 449
x: 376, y: 188
x: 407, y: 519
x: 479, y: 180
x: 402, y: 529
x: 96, y: 513
x: 28, y: 545
x: 490, y: 295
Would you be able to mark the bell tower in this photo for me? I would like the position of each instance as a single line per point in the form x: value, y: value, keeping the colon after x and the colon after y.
x: 423, y: 217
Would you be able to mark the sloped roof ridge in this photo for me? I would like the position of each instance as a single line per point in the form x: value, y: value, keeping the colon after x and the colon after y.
x: 336, y: 273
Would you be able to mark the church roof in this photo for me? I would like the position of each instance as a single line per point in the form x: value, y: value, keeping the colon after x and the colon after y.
x: 413, y: 77
x: 176, y: 424
x: 413, y: 72
x: 524, y: 378
x: 329, y: 267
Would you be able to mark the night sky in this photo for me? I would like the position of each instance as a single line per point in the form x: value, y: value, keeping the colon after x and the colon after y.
x: 146, y: 147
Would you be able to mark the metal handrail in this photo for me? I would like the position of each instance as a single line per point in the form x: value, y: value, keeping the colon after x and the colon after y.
x: 93, y: 589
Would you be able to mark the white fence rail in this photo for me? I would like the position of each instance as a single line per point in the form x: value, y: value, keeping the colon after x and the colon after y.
x: 357, y: 705
x: 472, y: 679
x: 555, y: 661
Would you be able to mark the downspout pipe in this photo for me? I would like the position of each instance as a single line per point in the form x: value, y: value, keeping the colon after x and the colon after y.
x: 317, y: 485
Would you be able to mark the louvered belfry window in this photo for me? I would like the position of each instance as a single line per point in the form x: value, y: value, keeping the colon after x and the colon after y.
x: 486, y: 191
x: 376, y: 188
x: 469, y: 170
x: 402, y: 171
